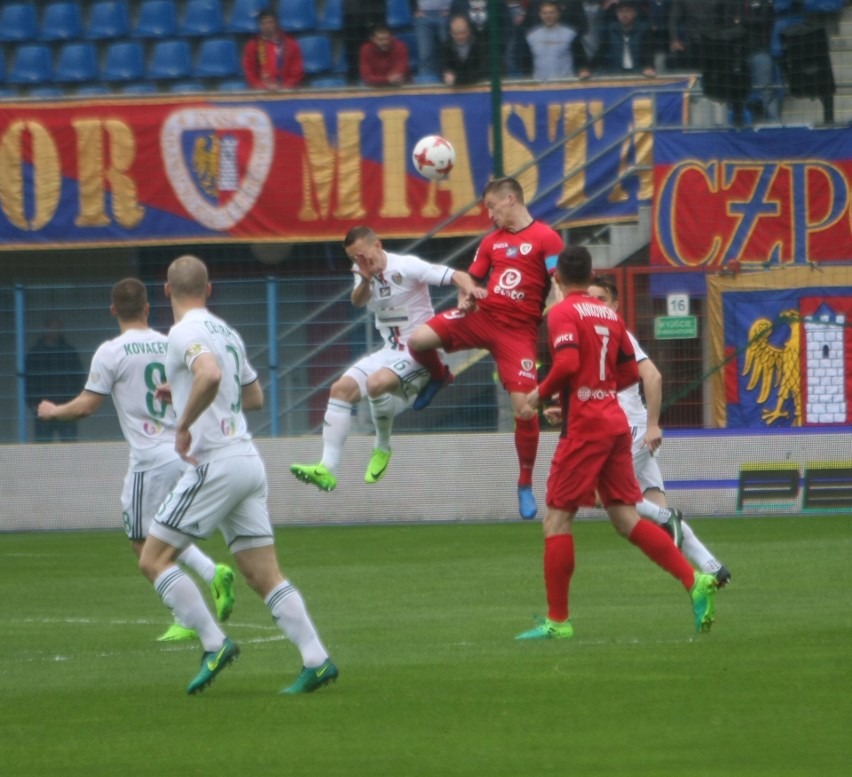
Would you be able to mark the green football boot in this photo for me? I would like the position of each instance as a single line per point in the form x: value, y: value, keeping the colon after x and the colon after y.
x: 177, y: 633
x: 316, y: 474
x: 309, y: 680
x: 549, y: 629
x: 378, y: 464
x: 222, y: 589
x: 703, y: 594
x: 212, y: 663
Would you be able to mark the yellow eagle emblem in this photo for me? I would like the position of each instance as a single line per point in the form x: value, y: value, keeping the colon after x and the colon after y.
x: 774, y: 367
x: 205, y: 163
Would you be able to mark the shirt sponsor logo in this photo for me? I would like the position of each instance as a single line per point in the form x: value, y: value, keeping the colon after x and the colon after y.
x: 385, y: 291
x: 511, y: 252
x: 507, y: 283
x: 454, y: 313
x: 152, y: 428
x: 584, y: 394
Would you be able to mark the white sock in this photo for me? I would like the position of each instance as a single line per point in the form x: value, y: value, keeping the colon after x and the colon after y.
x: 183, y: 598
x: 697, y: 554
x: 289, y: 612
x: 382, y: 411
x: 648, y: 509
x: 198, y: 562
x: 335, y: 429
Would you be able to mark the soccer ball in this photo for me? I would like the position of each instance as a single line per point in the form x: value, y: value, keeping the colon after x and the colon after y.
x: 433, y: 157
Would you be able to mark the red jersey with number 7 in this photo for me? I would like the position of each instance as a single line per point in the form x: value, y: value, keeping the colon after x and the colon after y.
x: 593, y: 359
x: 517, y: 266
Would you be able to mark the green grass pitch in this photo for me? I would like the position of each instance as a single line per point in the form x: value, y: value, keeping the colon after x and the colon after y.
x: 421, y: 619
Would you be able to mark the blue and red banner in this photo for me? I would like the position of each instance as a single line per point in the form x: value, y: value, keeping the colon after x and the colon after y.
x: 308, y: 166
x: 780, y: 196
x: 782, y: 342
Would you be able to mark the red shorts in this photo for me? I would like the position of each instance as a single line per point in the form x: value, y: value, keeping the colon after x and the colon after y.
x: 580, y: 467
x: 513, y: 347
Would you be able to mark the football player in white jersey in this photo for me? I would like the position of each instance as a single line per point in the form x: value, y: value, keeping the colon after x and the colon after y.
x: 211, y: 384
x: 644, y: 420
x: 129, y: 368
x: 395, y: 288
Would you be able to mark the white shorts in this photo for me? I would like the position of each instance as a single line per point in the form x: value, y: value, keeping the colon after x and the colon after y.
x: 227, y: 493
x: 143, y: 494
x: 412, y: 375
x: 644, y: 464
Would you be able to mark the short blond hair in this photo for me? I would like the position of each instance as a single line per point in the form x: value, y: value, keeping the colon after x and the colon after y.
x: 187, y: 277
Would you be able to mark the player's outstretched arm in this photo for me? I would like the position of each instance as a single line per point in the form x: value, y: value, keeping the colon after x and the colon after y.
x: 84, y: 404
x: 252, y: 396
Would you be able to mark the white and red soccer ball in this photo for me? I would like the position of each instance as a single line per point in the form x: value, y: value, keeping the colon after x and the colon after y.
x: 433, y: 157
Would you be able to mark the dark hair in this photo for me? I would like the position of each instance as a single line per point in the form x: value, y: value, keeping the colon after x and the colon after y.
x: 129, y: 298
x: 605, y: 282
x: 504, y: 185
x: 575, y: 266
x: 359, y: 233
x: 265, y: 12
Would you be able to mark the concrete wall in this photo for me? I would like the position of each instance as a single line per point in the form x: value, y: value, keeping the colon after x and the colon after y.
x: 431, y: 478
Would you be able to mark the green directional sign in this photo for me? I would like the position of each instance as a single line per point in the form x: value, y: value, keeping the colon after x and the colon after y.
x: 675, y: 327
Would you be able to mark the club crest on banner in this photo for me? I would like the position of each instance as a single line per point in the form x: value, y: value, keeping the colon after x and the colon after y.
x: 217, y: 161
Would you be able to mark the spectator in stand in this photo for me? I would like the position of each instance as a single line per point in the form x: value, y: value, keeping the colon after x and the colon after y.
x: 658, y: 32
x: 517, y: 52
x: 359, y: 18
x: 463, y: 59
x: 383, y: 60
x: 431, y: 25
x: 624, y: 45
x: 476, y: 13
x: 758, y: 20
x: 688, y: 19
x: 557, y: 50
x: 272, y: 60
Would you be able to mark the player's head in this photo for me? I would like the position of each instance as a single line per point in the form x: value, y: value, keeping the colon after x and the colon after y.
x: 187, y: 278
x: 504, y: 199
x: 364, y: 248
x: 130, y: 300
x: 603, y: 288
x: 574, y: 267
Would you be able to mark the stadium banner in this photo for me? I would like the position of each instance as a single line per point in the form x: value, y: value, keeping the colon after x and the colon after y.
x: 307, y: 167
x: 782, y: 341
x: 780, y: 196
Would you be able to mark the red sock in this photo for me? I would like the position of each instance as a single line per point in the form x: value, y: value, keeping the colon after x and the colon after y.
x: 658, y: 546
x: 526, y: 444
x: 558, y: 568
x: 431, y: 360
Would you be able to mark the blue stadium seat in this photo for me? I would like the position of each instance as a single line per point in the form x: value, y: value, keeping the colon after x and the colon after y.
x: 426, y: 78
x: 170, y: 60
x: 410, y: 41
x: 297, y: 15
x: 18, y: 22
x: 232, y: 85
x: 328, y: 82
x: 108, y: 19
x: 32, y: 65
x: 45, y: 90
x: 77, y: 63
x: 332, y: 16
x: 8, y: 92
x: 140, y: 87
x: 398, y: 14
x: 93, y: 89
x: 203, y: 18
x: 243, y: 18
x: 61, y: 21
x: 124, y: 61
x: 316, y: 54
x: 2, y: 65
x: 187, y: 87
x: 218, y: 58
x: 157, y: 19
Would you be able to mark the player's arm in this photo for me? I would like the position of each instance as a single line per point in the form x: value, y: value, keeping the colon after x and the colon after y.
x: 469, y: 289
x: 361, y: 293
x: 206, y: 377
x: 252, y: 396
x: 652, y: 385
x: 626, y: 371
x: 84, y: 404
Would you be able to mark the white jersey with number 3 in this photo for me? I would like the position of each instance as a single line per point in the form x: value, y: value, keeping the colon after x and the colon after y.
x: 223, y: 423
x: 130, y: 367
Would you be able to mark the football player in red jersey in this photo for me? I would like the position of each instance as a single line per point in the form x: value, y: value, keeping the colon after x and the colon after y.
x: 593, y: 359
x: 515, y: 263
